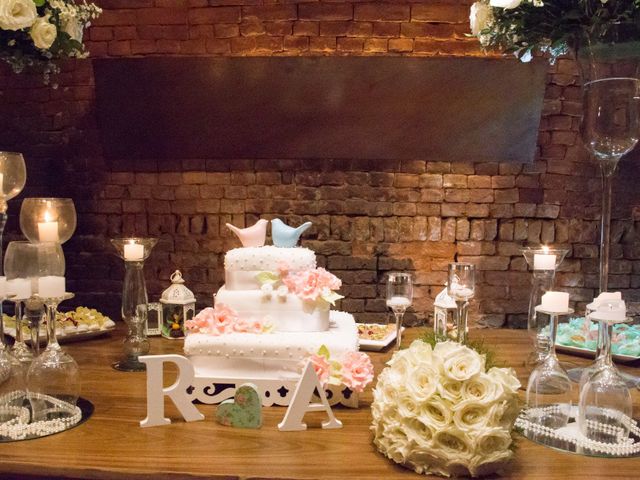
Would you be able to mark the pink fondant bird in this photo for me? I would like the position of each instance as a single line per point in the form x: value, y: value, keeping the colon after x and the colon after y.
x: 253, y: 236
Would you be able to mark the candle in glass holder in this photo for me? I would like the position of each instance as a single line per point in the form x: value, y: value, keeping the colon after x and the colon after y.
x: 555, y: 302
x: 544, y: 261
x: 133, y: 252
x: 398, y: 302
x: 51, y: 286
x: 48, y: 230
x: 20, y: 287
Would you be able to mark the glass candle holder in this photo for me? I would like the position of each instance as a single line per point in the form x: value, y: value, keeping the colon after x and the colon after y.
x: 461, y: 286
x: 399, y: 298
x: 544, y: 261
x: 13, y: 176
x: 134, y: 251
x: 48, y: 219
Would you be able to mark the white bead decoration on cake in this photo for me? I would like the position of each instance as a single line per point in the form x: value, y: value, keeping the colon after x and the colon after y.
x: 269, y: 258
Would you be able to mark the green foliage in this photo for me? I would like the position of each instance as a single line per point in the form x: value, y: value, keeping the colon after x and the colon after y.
x: 479, y: 346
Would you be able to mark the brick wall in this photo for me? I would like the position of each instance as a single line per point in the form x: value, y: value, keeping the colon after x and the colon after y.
x: 369, y: 217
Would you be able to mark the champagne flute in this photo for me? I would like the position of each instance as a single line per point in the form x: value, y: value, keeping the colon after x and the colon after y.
x: 399, y: 298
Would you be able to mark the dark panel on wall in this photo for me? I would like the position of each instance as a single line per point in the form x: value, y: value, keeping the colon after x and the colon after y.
x: 441, y: 109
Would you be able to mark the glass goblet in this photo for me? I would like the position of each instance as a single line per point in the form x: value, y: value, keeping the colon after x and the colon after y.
x: 461, y: 287
x: 13, y: 176
x: 48, y: 219
x: 399, y: 298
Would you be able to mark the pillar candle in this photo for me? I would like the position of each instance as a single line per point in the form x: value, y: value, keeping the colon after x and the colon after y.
x: 133, y: 252
x: 544, y: 261
x: 51, y: 286
x: 556, y: 302
x: 48, y: 230
x: 20, y: 287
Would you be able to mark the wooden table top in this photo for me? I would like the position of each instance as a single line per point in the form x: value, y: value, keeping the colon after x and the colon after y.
x: 112, y: 445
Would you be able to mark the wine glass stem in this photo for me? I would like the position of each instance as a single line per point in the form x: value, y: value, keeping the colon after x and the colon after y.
x: 399, y: 316
x: 462, y: 308
x: 607, y: 333
x: 605, y: 224
x: 18, y: 311
x: 2, y: 339
x: 52, y: 310
x: 3, y: 222
x: 541, y: 282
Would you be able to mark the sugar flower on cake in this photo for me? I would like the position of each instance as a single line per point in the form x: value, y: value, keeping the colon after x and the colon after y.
x: 440, y: 410
x: 222, y: 320
x: 313, y: 285
x: 353, y: 370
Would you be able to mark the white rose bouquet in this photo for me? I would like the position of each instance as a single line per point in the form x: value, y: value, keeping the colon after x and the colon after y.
x: 35, y: 33
x: 440, y: 410
x: 554, y: 26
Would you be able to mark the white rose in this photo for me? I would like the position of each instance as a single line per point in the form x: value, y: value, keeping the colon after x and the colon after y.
x: 480, y: 17
x: 450, y: 389
x: 419, y: 352
x: 463, y: 364
x: 491, y: 449
x: 407, y: 406
x: 470, y: 416
x: 482, y: 388
x: 418, y: 432
x: 17, y: 14
x: 483, y: 466
x: 423, y: 383
x: 504, y: 413
x: 43, y: 33
x: 448, y: 349
x: 73, y: 28
x: 505, y: 3
x: 436, y: 411
x: 455, y: 444
x: 506, y: 377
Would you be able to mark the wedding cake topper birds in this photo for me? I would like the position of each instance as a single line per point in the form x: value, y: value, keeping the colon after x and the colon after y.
x: 285, y: 236
x: 253, y: 236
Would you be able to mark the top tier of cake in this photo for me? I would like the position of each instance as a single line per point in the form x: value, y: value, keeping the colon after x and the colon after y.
x: 242, y: 265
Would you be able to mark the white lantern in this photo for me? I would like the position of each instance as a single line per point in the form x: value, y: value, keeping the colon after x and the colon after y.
x: 177, y: 305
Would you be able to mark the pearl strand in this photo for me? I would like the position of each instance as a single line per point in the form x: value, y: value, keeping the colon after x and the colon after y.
x: 19, y: 428
x: 624, y: 447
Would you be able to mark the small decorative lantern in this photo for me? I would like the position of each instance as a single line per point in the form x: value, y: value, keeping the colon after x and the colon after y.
x: 444, y: 309
x: 177, y: 305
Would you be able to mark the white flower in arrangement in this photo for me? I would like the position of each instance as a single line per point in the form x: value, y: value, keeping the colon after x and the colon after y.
x: 439, y: 411
x: 17, y: 14
x: 73, y: 28
x: 282, y: 291
x: 480, y: 17
x: 43, y: 33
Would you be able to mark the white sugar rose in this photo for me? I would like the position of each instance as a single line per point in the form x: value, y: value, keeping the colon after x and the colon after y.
x: 266, y: 290
x: 17, y: 14
x: 506, y: 4
x: 480, y: 17
x: 43, y: 33
x: 462, y: 363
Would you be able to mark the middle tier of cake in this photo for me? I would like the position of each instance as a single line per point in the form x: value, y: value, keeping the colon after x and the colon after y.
x: 287, y: 313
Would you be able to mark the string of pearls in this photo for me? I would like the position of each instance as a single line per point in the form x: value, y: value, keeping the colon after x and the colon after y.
x: 18, y: 427
x: 625, y: 447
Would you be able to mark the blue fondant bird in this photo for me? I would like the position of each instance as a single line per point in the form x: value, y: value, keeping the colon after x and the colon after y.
x: 285, y: 236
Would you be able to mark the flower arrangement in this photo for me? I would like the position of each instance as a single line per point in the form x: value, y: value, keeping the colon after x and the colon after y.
x: 35, y: 33
x: 355, y: 369
x: 523, y: 27
x: 222, y: 320
x: 440, y: 410
x: 313, y: 285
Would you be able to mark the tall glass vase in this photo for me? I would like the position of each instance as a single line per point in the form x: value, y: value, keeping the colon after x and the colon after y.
x: 134, y: 251
x: 609, y: 63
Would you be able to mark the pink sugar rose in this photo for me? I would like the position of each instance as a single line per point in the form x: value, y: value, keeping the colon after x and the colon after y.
x: 322, y: 367
x: 201, y: 322
x: 309, y: 284
x: 357, y: 371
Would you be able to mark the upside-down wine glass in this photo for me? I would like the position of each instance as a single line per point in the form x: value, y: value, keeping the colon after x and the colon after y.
x: 54, y: 372
x: 399, y: 298
x: 606, y: 408
x: 11, y: 378
x: 461, y: 284
x: 548, y: 394
x: 134, y: 251
x: 13, y: 176
x: 544, y: 261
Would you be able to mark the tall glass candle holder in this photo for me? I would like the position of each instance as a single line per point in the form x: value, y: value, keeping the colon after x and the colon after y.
x: 461, y: 286
x: 399, y: 298
x: 134, y: 251
x: 13, y: 176
x: 544, y: 261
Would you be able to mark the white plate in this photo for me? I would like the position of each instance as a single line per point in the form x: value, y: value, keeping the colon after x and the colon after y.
x: 65, y: 337
x: 585, y: 352
x: 377, y: 345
